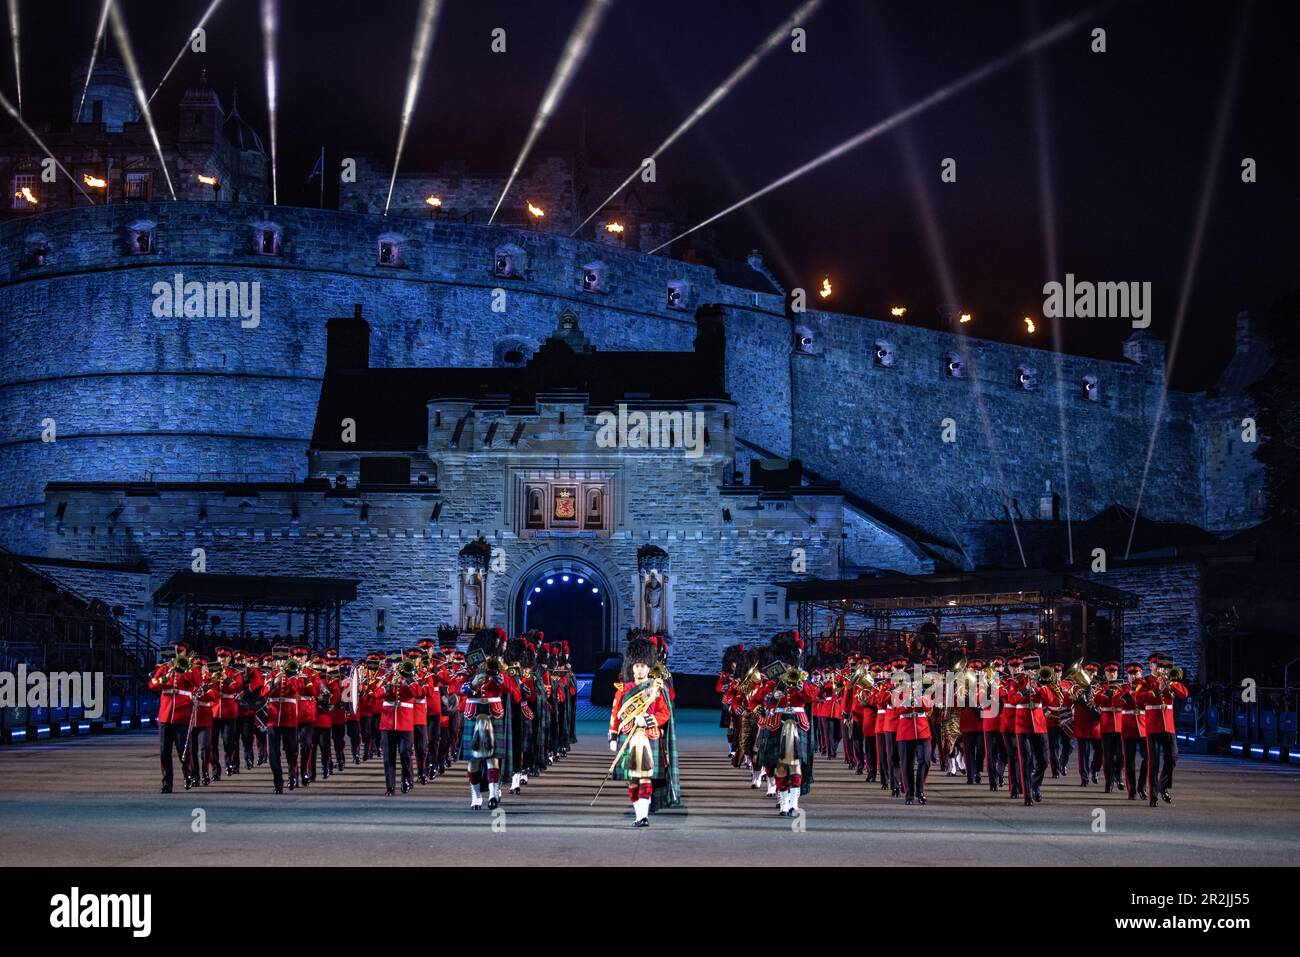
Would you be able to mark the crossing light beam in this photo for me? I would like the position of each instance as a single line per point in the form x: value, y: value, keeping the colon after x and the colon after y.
x: 212, y: 8
x: 270, y: 31
x: 420, y: 45
x: 714, y: 98
x: 1056, y: 33
x: 94, y: 52
x: 123, y: 41
x: 574, y: 52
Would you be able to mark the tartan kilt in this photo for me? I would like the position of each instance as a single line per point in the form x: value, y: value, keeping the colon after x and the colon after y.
x: 769, y: 744
x: 656, y: 761
x: 500, y: 740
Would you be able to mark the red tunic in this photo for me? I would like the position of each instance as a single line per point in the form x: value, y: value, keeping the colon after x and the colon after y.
x: 175, y: 693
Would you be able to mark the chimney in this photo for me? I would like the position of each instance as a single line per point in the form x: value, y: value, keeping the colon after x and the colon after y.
x: 711, y: 343
x: 1247, y: 331
x: 347, y: 343
x: 1049, y: 504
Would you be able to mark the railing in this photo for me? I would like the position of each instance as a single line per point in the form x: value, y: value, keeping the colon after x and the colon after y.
x: 1218, y: 711
x: 231, y: 477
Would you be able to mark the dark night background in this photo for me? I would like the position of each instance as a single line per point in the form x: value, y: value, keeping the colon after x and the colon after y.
x: 1130, y: 132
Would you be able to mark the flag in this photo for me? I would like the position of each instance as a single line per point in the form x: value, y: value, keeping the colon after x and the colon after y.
x: 318, y: 169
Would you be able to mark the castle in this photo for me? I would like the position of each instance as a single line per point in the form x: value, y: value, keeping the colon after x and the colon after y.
x: 474, y: 363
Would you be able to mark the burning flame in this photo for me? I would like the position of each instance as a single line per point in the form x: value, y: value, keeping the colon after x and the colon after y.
x: 1029, y: 326
x: 898, y: 312
x: 825, y: 290
x: 207, y: 180
x: 27, y: 195
x: 965, y: 317
x: 434, y: 201
x: 535, y: 211
x: 94, y: 182
x: 613, y: 227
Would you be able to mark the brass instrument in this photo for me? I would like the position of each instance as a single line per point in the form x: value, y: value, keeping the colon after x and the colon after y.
x: 291, y: 667
x: 406, y: 669
x: 181, y: 663
x: 1176, y: 674
x: 863, y: 685
x: 493, y: 666
x: 660, y: 672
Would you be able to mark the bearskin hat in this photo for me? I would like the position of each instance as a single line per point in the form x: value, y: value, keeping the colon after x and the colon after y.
x: 515, y: 649
x: 785, y: 647
x: 484, y: 640
x: 731, y: 657
x: 640, y: 651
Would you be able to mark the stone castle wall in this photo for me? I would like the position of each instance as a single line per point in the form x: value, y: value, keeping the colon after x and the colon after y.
x: 135, y: 396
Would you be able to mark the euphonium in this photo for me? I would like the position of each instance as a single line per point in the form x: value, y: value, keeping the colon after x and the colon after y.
x: 1076, y: 675
x: 1176, y: 674
x: 181, y: 662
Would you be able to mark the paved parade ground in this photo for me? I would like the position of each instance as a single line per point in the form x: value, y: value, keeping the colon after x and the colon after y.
x: 94, y: 801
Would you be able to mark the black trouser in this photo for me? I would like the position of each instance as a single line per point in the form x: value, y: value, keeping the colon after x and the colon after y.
x: 306, y: 751
x: 1059, y: 747
x: 353, y: 727
x: 244, y: 731
x: 916, y: 765
x: 225, y: 742
x: 1132, y: 746
x: 1033, y: 761
x: 1112, y: 747
x: 995, y: 753
x: 200, y: 751
x: 420, y: 745
x: 397, y: 743
x: 972, y: 749
x: 171, y: 737
x: 1012, y: 749
x: 1090, y: 757
x: 287, y: 739
x: 852, y: 742
x: 336, y: 735
x: 432, y: 739
x: 1162, y: 755
x: 321, y: 739
x: 886, y: 754
x: 370, y: 734
x: 259, y: 736
x: 869, y: 756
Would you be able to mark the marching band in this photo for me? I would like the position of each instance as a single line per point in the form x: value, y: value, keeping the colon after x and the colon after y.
x: 1011, y: 720
x: 507, y: 707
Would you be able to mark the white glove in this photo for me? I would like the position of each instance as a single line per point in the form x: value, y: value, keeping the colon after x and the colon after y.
x: 613, y: 745
x: 642, y: 722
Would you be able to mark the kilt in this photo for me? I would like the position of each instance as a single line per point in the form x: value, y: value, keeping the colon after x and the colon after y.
x: 503, y: 748
x: 656, y: 762
x: 769, y: 743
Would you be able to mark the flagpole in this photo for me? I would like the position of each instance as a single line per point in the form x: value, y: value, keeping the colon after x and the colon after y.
x: 322, y: 177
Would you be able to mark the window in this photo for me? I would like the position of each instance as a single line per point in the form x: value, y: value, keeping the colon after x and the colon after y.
x: 139, y: 240
x: 266, y: 239
x: 593, y: 277
x: 509, y: 262
x: 1027, y: 378
x: 884, y: 354
x: 677, y: 294
x: 26, y: 191
x: 954, y: 367
x: 1092, y: 388
x: 135, y: 187
x: 389, y: 253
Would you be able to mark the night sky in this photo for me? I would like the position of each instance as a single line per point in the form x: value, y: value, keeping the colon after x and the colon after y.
x: 1130, y: 132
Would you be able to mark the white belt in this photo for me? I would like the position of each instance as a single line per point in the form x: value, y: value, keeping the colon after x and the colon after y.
x: 399, y: 704
x: 229, y: 697
x: 183, y: 694
x: 787, y: 711
x: 914, y: 714
x: 483, y: 700
x: 285, y: 700
x: 1026, y: 706
x: 880, y: 710
x: 1125, y: 712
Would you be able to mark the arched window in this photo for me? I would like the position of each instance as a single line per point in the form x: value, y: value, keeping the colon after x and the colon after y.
x: 140, y: 238
x: 266, y: 239
x: 509, y: 262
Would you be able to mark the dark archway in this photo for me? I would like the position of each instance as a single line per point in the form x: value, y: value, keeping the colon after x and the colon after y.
x: 569, y: 604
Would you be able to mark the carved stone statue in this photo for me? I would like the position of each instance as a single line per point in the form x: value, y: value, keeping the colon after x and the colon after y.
x: 472, y: 601
x: 653, y: 602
